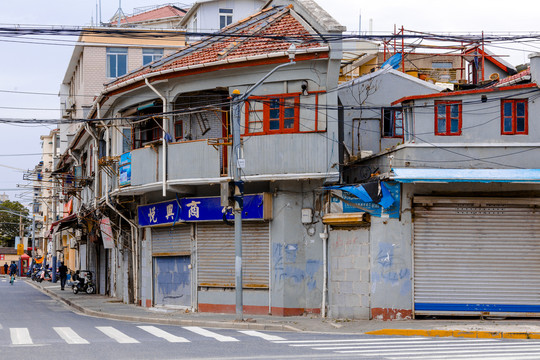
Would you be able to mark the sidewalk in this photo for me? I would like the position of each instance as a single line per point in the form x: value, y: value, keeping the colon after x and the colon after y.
x: 110, y: 308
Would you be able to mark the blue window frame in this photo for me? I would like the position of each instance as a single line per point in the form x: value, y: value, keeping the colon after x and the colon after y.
x: 116, y: 62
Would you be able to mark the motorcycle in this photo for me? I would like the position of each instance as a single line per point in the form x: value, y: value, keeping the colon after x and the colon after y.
x: 82, y: 281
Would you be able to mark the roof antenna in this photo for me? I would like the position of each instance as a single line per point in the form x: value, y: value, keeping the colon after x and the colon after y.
x: 120, y: 12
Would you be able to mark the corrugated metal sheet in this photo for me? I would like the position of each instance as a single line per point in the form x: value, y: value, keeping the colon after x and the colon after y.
x: 474, y: 256
x: 172, y: 281
x: 171, y: 240
x: 216, y: 259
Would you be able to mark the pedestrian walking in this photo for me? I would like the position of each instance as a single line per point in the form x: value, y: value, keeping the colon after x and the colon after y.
x: 63, y: 275
x: 12, y: 272
x: 6, y: 267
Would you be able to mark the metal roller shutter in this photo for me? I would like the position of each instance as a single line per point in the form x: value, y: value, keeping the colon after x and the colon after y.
x: 171, y: 241
x: 215, y: 250
x: 476, y: 256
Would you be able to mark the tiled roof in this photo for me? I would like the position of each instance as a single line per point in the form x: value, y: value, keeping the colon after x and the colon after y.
x: 253, y: 36
x: 160, y: 13
x: 524, y: 75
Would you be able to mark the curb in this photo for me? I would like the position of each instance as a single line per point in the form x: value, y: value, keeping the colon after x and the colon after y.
x: 456, y: 333
x: 170, y: 321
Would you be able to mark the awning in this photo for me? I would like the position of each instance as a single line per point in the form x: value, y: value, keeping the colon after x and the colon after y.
x: 411, y: 175
x: 66, y: 222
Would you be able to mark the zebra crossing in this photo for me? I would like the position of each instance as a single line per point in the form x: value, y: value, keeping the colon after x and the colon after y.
x: 23, y: 336
x: 423, y: 348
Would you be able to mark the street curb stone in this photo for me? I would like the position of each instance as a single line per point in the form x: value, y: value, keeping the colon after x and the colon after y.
x: 170, y: 321
x: 456, y: 333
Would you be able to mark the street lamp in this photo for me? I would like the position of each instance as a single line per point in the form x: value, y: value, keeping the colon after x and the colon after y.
x: 238, y: 164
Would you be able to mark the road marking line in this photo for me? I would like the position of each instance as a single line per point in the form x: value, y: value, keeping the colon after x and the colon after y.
x: 210, y: 334
x: 70, y: 336
x: 422, y: 347
x: 515, y: 356
x: 20, y: 336
x: 440, y: 351
x: 163, y: 334
x: 387, y: 341
x: 397, y: 345
x: 116, y: 335
x: 261, y: 335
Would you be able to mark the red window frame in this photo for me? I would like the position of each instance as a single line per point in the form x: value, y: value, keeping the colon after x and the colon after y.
x: 513, y: 117
x: 272, y: 115
x: 448, y: 117
x: 179, y: 130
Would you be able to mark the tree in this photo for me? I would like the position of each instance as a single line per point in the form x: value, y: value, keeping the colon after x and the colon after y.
x: 10, y: 217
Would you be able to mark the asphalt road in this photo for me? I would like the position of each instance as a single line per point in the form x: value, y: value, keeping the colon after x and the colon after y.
x: 33, y: 326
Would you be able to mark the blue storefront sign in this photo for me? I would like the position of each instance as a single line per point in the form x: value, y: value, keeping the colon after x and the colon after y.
x: 197, y: 209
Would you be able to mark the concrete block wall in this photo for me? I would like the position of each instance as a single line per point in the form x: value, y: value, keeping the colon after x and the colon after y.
x: 349, y: 278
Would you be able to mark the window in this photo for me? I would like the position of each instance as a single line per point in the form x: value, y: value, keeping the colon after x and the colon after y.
x: 151, y: 55
x: 441, y: 65
x: 116, y: 62
x: 179, y: 129
x: 514, y: 117
x: 447, y: 117
x: 126, y: 140
x: 276, y: 114
x: 392, y: 125
x: 225, y: 17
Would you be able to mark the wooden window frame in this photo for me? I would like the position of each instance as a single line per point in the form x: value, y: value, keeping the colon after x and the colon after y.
x: 448, y: 118
x: 514, y: 116
x: 267, y: 103
x: 393, y: 111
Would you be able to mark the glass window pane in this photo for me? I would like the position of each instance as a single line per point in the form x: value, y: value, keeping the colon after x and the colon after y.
x: 274, y: 103
x: 222, y: 21
x: 274, y: 113
x: 399, y: 131
x: 111, y: 66
x: 274, y: 124
x: 520, y: 124
x: 508, y: 124
x: 454, y: 111
x: 520, y: 109
x: 122, y: 65
x: 441, y: 110
x: 441, y: 125
x: 454, y: 126
x: 126, y: 140
x: 289, y: 112
x: 146, y: 59
x: 507, y: 109
x: 387, y: 123
x: 288, y: 123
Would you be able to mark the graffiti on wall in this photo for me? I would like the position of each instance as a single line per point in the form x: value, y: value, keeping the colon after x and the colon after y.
x: 287, y: 268
x: 391, y: 268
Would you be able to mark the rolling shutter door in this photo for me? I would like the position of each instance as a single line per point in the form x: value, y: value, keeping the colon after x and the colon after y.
x: 476, y: 256
x: 216, y: 255
x: 171, y: 241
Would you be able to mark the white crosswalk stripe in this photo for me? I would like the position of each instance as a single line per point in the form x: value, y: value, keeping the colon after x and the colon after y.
x: 261, y: 335
x: 210, y: 334
x: 117, y: 335
x: 163, y: 334
x: 425, y: 348
x: 20, y: 336
x: 70, y: 336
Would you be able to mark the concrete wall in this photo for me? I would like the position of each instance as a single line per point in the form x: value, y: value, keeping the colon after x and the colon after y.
x: 349, y: 269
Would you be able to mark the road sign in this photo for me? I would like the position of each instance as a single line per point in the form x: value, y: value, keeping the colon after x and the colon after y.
x: 20, y: 249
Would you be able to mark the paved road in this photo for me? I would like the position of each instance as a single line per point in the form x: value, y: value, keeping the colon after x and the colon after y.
x: 34, y: 326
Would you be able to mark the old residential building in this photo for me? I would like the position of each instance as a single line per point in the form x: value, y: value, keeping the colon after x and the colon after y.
x: 462, y: 235
x: 158, y: 151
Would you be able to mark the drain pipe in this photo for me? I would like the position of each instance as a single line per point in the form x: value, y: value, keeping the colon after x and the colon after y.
x: 324, y: 237
x: 165, y: 132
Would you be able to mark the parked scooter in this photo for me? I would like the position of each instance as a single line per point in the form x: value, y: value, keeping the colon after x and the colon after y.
x: 82, y: 281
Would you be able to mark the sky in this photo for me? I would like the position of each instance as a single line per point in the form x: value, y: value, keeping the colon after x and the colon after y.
x: 28, y: 65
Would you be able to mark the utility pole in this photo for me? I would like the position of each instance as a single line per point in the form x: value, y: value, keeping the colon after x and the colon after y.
x: 238, y: 164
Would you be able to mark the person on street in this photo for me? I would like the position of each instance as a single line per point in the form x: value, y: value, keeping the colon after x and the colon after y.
x: 6, y: 267
x: 63, y: 275
x: 12, y: 272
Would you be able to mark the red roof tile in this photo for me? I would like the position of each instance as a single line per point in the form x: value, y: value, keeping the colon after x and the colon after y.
x: 521, y: 76
x: 160, y: 13
x: 253, y: 36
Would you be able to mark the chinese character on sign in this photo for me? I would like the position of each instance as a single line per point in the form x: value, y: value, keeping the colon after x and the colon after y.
x: 193, y: 209
x: 152, y: 215
x: 170, y: 212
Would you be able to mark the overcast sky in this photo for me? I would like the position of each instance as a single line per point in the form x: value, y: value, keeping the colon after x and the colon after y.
x: 27, y: 67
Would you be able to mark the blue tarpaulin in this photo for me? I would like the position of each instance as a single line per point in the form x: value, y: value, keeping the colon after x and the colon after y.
x: 370, y: 192
x: 394, y: 61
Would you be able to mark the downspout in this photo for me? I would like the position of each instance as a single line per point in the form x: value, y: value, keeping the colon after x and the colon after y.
x: 324, y: 237
x: 165, y: 132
